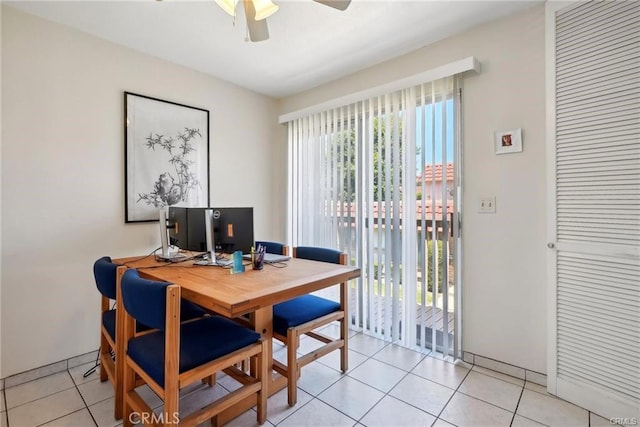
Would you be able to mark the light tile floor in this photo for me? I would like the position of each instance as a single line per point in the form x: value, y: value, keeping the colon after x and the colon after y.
x: 386, y: 385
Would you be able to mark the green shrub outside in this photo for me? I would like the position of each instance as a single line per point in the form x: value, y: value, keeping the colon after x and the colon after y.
x: 377, y: 269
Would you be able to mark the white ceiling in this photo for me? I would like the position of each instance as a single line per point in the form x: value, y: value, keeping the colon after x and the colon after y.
x: 310, y: 43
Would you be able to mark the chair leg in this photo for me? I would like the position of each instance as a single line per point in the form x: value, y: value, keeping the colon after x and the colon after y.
x: 119, y: 393
x: 344, y: 350
x: 171, y: 398
x: 262, y: 368
x: 210, y: 380
x: 104, y: 353
x: 344, y: 327
x: 119, y: 363
x: 292, y: 366
x: 129, y: 380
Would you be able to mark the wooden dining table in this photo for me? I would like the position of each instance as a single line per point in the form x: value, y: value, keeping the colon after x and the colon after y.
x: 253, y: 292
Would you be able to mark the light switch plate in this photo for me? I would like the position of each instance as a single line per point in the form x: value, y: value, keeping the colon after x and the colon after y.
x: 487, y: 205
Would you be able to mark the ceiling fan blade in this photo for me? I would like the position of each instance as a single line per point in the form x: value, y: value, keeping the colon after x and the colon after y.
x: 258, y: 30
x: 336, y: 4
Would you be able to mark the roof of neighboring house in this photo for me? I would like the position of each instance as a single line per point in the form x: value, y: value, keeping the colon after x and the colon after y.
x: 379, y: 208
x: 427, y: 208
x: 429, y: 171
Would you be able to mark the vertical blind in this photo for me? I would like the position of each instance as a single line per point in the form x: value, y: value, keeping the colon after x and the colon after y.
x: 354, y: 173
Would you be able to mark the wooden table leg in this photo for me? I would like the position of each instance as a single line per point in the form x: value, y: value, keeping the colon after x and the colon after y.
x: 262, y: 321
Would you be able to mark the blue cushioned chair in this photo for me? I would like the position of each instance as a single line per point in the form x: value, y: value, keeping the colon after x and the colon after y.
x: 176, y: 355
x: 106, y: 275
x: 302, y: 315
x: 274, y: 247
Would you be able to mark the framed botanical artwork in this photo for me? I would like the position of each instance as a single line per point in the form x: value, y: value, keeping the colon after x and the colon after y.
x: 166, y: 156
x: 508, y: 141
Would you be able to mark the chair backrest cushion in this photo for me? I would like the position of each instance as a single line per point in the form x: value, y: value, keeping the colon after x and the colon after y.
x: 272, y: 247
x: 145, y: 300
x: 318, y: 254
x: 104, y: 272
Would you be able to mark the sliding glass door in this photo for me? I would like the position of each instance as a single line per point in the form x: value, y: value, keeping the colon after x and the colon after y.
x: 377, y: 179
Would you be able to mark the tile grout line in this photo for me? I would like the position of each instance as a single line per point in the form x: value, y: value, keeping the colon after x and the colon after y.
x: 345, y: 374
x: 333, y: 383
x: 52, y: 394
x: 517, y: 404
x: 66, y: 415
x: 490, y: 403
x: 515, y: 412
x: 437, y: 417
x: 385, y: 394
x: 293, y: 412
x: 41, y: 397
x: 453, y: 394
x: 82, y: 397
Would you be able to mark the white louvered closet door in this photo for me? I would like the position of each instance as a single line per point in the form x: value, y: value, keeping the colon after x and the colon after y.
x: 593, y: 72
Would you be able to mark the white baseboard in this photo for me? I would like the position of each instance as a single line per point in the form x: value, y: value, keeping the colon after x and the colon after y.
x: 43, y: 371
x: 505, y: 368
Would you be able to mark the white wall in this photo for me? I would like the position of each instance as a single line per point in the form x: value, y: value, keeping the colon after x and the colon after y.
x: 63, y: 175
x: 0, y: 192
x: 504, y: 253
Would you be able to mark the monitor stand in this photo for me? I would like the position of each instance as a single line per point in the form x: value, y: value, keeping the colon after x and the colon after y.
x: 211, y: 253
x: 172, y: 255
x: 214, y: 262
x: 169, y: 253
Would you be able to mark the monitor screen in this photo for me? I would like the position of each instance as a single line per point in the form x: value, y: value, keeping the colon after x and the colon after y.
x: 187, y: 228
x: 232, y: 229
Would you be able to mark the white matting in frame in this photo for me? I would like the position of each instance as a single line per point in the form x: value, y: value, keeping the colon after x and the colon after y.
x: 508, y: 141
x: 167, y: 156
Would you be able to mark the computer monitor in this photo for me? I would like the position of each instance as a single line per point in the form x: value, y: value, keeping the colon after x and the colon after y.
x: 187, y: 228
x: 232, y: 228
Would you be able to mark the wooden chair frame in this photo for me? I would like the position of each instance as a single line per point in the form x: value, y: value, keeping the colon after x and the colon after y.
x: 111, y: 369
x: 292, y: 340
x: 285, y: 248
x: 174, y: 381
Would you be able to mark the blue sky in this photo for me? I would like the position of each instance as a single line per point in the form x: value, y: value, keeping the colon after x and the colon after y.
x: 429, y: 110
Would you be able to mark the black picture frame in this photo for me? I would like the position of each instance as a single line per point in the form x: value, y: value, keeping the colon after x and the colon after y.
x: 166, y: 156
